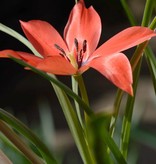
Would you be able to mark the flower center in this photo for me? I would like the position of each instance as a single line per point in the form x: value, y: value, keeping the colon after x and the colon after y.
x: 80, y: 52
x: 76, y: 57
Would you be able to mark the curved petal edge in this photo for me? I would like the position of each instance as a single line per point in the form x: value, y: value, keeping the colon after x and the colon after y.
x: 115, y: 68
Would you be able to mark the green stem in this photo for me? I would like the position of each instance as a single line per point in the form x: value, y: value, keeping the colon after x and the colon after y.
x: 75, y: 90
x: 84, y: 96
x: 140, y: 49
x: 77, y: 81
x: 147, y: 12
x: 151, y: 61
x: 83, y: 90
x: 138, y: 54
x: 153, y: 24
x: 83, y: 93
x: 16, y: 140
x: 74, y: 125
x: 128, y: 13
x: 116, y: 111
x: 126, y: 125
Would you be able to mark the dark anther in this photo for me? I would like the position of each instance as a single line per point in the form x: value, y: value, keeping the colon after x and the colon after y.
x: 76, y: 44
x: 60, y: 49
x: 84, y: 46
x: 79, y: 57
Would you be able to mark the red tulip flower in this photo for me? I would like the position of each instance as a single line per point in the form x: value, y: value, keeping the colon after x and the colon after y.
x: 76, y: 51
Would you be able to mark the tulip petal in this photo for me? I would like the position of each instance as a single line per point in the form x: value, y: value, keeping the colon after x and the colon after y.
x: 30, y: 58
x: 26, y: 57
x: 57, y: 65
x: 7, y: 53
x: 117, y: 69
x: 124, y: 40
x: 83, y: 24
x: 43, y: 37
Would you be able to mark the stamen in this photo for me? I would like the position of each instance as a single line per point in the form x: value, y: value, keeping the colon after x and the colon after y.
x: 79, y: 56
x: 63, y: 54
x: 76, y: 44
x: 60, y: 49
x: 84, y: 46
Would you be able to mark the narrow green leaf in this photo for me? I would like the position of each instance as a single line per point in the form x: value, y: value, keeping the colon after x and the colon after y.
x: 126, y: 124
x: 147, y: 12
x: 11, y: 151
x: 138, y: 54
x: 25, y: 131
x: 19, y: 143
x: 151, y: 60
x: 153, y: 24
x: 96, y: 138
x: 128, y: 12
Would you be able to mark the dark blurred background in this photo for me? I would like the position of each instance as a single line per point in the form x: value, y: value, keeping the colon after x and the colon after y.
x: 22, y: 91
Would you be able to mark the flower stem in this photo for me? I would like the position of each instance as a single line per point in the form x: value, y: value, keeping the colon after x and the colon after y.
x: 74, y: 125
x: 153, y: 24
x: 83, y: 90
x: 116, y: 111
x: 147, y: 12
x: 75, y: 90
x: 138, y: 54
x: 140, y: 49
x: 128, y: 13
x: 126, y: 125
x: 77, y: 81
x: 16, y: 140
x: 83, y: 93
x: 151, y: 61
